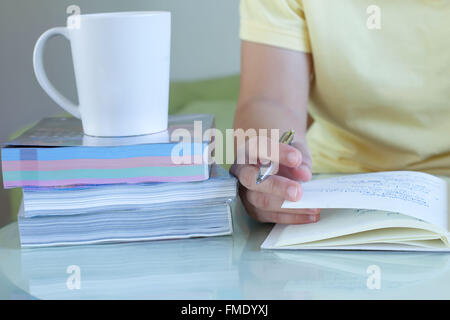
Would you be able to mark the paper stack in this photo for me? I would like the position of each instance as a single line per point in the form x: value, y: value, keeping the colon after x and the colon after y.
x: 77, y: 192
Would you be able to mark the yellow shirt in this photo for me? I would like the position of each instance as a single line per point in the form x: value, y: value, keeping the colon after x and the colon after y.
x: 381, y: 90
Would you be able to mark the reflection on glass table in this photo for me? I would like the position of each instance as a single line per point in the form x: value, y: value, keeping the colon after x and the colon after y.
x: 228, y: 267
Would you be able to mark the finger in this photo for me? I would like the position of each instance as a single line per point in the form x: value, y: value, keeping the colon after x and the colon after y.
x: 290, y: 156
x: 287, y: 155
x: 274, y: 216
x: 234, y: 168
x: 268, y: 202
x: 301, y: 173
x: 304, y: 170
x: 276, y: 185
x: 285, y: 218
x: 290, y: 173
x: 245, y: 173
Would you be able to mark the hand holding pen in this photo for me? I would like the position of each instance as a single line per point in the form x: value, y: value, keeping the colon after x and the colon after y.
x: 262, y: 190
x: 268, y: 169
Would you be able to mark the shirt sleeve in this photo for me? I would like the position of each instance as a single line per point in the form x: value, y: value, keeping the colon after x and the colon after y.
x: 279, y: 23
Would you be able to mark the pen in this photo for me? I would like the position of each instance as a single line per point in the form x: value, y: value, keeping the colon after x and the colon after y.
x: 267, y: 169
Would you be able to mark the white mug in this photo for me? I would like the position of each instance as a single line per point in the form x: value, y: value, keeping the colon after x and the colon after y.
x: 121, y: 63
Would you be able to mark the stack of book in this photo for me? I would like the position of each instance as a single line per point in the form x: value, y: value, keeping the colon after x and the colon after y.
x: 79, y: 189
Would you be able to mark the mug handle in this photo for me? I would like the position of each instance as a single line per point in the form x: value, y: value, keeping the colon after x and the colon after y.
x: 41, y: 75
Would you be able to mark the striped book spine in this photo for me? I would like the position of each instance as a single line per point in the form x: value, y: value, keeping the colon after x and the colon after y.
x: 64, y: 166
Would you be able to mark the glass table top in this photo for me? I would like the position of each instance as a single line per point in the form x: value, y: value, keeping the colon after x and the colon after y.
x: 228, y: 267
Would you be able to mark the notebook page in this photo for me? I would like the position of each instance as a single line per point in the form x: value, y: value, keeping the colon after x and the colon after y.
x: 415, y: 194
x: 336, y: 223
x: 386, y: 235
x: 447, y: 180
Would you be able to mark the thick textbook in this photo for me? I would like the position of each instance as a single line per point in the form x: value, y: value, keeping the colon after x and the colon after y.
x: 55, y: 152
x: 91, y: 199
x: 187, y: 220
x: 126, y: 213
x: 399, y: 210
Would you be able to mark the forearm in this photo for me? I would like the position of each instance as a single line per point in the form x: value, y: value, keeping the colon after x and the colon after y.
x: 261, y: 113
x: 274, y: 95
x: 274, y: 91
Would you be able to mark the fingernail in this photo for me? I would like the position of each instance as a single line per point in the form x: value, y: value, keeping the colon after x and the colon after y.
x: 313, y: 218
x: 292, y: 157
x: 292, y: 193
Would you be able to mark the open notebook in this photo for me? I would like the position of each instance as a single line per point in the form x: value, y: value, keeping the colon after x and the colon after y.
x: 401, y: 210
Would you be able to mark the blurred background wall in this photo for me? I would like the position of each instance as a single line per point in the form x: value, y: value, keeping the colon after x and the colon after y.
x: 205, y: 44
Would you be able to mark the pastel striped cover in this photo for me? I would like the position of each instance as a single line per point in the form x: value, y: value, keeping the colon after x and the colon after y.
x: 63, y: 166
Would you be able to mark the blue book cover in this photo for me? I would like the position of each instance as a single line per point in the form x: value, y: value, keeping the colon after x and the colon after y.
x: 55, y: 152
